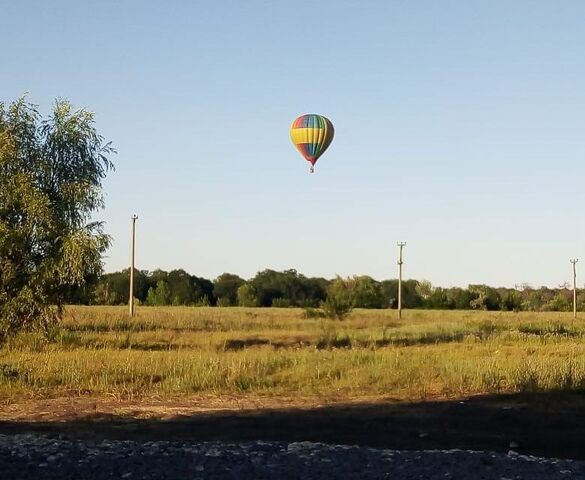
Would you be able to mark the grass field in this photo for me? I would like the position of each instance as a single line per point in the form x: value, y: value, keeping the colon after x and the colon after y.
x: 178, y: 352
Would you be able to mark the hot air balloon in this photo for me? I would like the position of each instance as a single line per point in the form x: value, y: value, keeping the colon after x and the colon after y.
x: 311, y: 134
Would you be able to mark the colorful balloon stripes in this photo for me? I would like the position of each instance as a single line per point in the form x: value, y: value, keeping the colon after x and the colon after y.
x: 311, y: 134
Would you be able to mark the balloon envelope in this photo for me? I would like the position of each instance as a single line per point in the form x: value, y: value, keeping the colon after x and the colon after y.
x: 311, y: 134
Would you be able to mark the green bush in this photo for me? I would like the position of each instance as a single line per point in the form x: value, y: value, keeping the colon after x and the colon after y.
x: 281, y: 303
x: 340, y: 298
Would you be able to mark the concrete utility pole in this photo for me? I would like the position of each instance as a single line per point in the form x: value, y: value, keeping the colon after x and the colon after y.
x: 400, y: 262
x: 132, y: 253
x: 574, y: 262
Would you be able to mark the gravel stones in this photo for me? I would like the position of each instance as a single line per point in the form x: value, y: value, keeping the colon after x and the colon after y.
x: 39, y: 457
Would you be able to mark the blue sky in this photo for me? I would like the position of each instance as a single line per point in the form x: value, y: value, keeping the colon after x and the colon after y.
x: 459, y: 129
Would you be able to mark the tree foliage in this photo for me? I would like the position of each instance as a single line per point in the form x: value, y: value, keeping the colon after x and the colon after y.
x: 247, y: 295
x: 159, y: 295
x: 368, y: 293
x: 297, y: 289
x: 51, y: 173
x: 225, y: 289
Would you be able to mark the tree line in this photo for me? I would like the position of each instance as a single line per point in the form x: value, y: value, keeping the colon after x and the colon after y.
x: 288, y: 288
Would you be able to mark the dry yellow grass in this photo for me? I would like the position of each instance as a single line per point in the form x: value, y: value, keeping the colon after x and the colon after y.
x: 176, y: 351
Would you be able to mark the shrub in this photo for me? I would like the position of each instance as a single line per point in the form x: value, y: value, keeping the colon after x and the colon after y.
x: 281, y: 302
x: 340, y: 299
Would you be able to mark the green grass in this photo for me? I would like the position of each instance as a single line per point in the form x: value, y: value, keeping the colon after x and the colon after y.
x: 176, y: 351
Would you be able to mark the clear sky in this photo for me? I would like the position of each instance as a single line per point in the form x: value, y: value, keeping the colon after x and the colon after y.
x: 460, y: 129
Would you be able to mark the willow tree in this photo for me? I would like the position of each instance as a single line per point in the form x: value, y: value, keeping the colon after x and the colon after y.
x: 51, y: 173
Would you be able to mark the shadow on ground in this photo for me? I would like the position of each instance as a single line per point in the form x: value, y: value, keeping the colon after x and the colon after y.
x: 543, y: 424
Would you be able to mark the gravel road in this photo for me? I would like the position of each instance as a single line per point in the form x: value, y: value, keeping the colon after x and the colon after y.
x: 38, y: 457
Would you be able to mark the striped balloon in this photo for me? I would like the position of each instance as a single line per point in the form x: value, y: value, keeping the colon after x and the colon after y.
x: 311, y: 134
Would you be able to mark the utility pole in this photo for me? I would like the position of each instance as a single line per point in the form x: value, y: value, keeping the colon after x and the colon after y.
x: 574, y: 262
x: 400, y: 262
x: 132, y: 254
